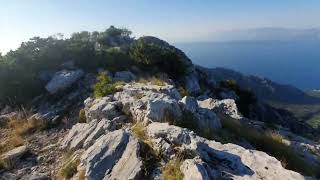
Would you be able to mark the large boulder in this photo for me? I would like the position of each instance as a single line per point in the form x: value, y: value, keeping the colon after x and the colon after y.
x: 225, y: 106
x: 62, y: 80
x: 204, y: 118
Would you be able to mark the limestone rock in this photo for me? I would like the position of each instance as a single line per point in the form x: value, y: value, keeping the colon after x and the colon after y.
x: 195, y: 169
x: 100, y: 158
x: 129, y: 165
x: 225, y: 106
x: 63, y: 79
x: 101, y: 108
x: 99, y: 130
x: 148, y: 105
x: 77, y: 135
x: 205, y: 118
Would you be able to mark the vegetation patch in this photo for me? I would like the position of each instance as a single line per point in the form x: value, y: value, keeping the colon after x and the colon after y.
x: 138, y: 95
x: 139, y: 130
x: 105, y: 86
x: 17, y: 127
x: 149, y: 156
x: 152, y: 80
x: 166, y: 59
x: 171, y: 171
x: 270, y: 143
x: 246, y: 97
x: 183, y: 92
x: 20, y: 69
x: 69, y: 167
x: 24, y: 126
x: 2, y: 165
x: 82, y: 116
x: 10, y: 142
x: 82, y: 175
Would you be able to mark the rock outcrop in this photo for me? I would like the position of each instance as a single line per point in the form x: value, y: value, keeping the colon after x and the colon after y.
x: 112, y: 151
x: 214, y: 160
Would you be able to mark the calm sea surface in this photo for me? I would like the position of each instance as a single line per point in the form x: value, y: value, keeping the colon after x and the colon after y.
x: 295, y: 62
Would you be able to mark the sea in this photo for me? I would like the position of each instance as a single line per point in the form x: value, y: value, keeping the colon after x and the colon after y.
x: 287, y: 62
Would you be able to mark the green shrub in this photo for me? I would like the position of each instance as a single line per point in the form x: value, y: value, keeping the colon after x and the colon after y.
x: 20, y: 69
x: 246, y: 97
x: 104, y: 86
x: 153, y: 55
x: 82, y: 116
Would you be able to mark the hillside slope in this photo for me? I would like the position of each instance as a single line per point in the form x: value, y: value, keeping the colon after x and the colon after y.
x: 139, y: 109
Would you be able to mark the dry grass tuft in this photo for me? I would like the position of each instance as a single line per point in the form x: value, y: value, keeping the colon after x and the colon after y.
x: 26, y: 126
x: 139, y: 130
x: 171, y: 171
x: 138, y: 96
x: 69, y: 167
x: 152, y: 80
x: 82, y: 175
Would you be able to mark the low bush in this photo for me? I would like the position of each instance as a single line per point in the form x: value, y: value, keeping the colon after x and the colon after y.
x: 246, y: 97
x: 104, y: 86
x: 270, y: 143
x: 82, y: 116
x: 166, y: 59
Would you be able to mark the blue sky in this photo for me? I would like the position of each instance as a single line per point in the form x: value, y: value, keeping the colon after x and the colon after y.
x: 172, y: 20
